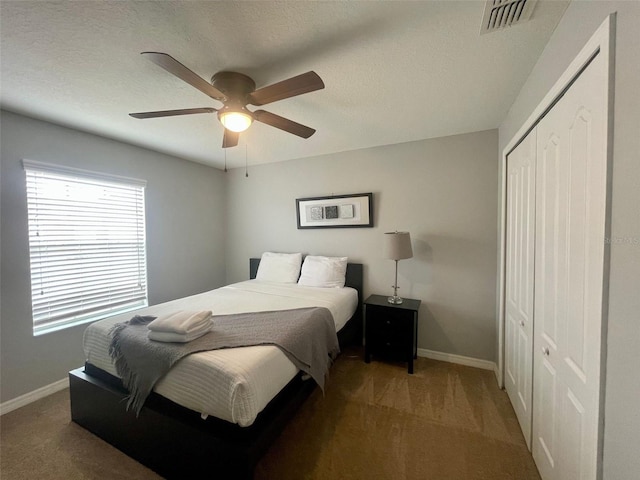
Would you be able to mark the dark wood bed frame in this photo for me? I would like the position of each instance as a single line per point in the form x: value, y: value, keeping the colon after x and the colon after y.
x: 176, y: 442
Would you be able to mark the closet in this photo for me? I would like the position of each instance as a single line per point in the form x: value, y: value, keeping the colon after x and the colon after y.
x: 555, y: 252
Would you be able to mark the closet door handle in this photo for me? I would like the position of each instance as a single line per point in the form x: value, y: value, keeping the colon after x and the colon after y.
x: 545, y: 351
x: 522, y: 323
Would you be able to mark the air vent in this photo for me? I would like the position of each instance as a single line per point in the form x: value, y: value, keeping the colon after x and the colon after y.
x: 504, y: 13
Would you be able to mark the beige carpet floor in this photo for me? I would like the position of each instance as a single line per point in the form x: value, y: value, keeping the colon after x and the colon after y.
x: 375, y: 422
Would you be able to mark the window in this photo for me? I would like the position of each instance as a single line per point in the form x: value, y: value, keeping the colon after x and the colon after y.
x: 86, y: 244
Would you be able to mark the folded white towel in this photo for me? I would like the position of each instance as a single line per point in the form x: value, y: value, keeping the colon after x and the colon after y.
x: 181, y: 322
x: 180, y: 337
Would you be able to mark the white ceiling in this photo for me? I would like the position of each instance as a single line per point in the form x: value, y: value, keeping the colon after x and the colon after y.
x: 394, y: 71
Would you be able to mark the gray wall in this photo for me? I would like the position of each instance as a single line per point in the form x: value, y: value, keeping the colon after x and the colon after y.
x: 622, y: 397
x: 443, y: 191
x: 185, y: 215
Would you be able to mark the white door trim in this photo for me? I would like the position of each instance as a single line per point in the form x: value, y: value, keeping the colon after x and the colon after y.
x: 601, y: 43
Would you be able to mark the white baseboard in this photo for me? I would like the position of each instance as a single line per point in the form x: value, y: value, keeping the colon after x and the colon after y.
x: 31, y: 397
x: 459, y: 359
x: 47, y: 390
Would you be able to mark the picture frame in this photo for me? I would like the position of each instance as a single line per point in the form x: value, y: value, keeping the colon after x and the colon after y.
x: 336, y: 211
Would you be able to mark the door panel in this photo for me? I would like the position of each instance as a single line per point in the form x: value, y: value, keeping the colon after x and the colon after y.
x: 524, y: 382
x: 511, y: 358
x: 545, y: 433
x: 578, y: 159
x: 574, y: 423
x: 519, y: 279
x: 550, y: 223
x: 569, y: 265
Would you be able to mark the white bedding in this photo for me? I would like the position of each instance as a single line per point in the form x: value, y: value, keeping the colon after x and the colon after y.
x: 233, y: 384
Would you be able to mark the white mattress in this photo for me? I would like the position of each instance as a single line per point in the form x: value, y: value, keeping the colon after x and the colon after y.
x: 233, y: 384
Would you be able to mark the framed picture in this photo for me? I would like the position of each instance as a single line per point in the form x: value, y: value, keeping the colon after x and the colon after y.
x: 339, y: 211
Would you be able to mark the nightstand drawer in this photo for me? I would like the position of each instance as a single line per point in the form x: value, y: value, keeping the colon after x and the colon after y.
x: 389, y: 347
x: 390, y: 325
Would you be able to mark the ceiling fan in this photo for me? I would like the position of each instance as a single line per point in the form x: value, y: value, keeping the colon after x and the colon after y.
x: 236, y: 91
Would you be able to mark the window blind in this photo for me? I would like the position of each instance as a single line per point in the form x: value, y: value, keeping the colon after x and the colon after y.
x: 86, y: 245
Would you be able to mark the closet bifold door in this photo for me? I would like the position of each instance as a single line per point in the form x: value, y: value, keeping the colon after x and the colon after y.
x: 571, y: 187
x: 520, y: 241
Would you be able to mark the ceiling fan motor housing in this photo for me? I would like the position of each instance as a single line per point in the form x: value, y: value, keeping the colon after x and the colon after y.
x: 235, y: 86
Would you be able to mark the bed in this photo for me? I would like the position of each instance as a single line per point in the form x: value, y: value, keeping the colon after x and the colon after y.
x: 183, y: 432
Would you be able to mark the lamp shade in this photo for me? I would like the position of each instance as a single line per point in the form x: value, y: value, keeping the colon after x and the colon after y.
x: 398, y: 245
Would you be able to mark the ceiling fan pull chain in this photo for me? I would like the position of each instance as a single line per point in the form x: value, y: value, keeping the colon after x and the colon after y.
x: 246, y: 163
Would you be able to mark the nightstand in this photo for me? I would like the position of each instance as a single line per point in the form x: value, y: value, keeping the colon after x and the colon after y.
x: 391, y: 330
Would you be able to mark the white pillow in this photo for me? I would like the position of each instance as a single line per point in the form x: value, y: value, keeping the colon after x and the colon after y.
x: 279, y: 267
x: 323, y: 271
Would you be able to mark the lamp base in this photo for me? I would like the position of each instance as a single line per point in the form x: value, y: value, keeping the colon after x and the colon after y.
x: 395, y: 300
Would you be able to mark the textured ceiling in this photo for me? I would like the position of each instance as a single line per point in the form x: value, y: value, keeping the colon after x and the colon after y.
x: 394, y: 71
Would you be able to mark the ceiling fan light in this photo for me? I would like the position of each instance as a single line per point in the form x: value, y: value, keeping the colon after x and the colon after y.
x: 235, y: 121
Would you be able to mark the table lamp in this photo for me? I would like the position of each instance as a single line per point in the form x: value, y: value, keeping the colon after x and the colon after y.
x: 397, y: 247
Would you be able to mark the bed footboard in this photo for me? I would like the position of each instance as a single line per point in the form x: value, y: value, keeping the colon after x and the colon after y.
x: 174, y: 441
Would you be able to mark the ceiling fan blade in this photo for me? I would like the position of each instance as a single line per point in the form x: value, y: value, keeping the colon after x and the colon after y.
x: 173, y: 66
x: 305, y: 83
x: 230, y: 139
x: 171, y: 113
x: 283, y: 123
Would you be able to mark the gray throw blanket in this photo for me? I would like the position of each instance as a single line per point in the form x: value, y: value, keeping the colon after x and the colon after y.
x: 307, y: 336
